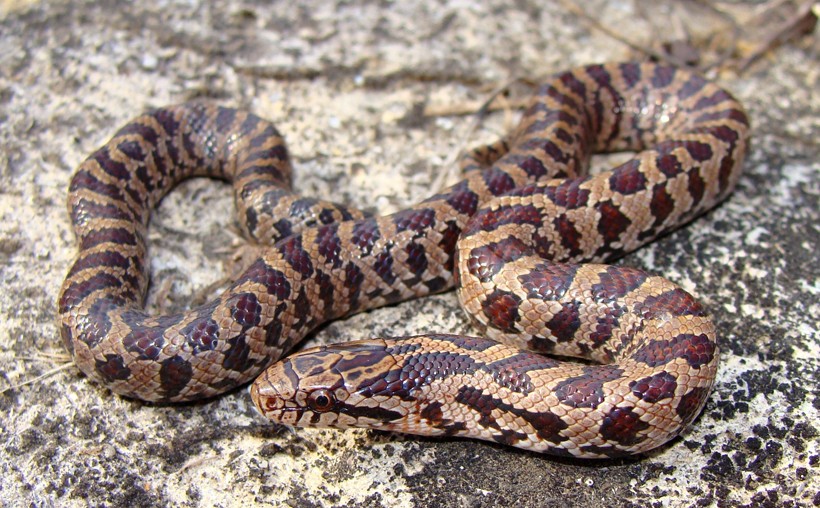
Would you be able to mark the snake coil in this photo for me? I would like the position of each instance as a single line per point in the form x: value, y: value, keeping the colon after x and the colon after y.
x: 511, y: 235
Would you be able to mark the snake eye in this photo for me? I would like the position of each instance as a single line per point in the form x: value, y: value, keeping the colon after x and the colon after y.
x: 321, y: 400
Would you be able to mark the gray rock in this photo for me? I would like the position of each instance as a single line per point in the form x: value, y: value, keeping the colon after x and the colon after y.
x: 345, y: 82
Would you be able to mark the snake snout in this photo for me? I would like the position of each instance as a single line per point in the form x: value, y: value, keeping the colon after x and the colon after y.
x: 272, y: 391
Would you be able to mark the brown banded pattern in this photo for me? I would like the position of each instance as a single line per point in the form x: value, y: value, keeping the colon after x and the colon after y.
x: 514, y: 234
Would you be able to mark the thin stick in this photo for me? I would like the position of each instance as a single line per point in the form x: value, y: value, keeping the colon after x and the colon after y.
x: 441, y: 179
x: 803, y: 20
x: 594, y: 23
x: 44, y: 375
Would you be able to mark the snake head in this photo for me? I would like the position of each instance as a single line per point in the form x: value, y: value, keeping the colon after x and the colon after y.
x: 321, y: 387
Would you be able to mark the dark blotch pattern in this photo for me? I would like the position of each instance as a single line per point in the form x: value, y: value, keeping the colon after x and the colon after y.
x: 246, y: 310
x: 708, y: 101
x: 113, y: 369
x: 117, y: 236
x: 416, y: 260
x: 274, y: 281
x: 692, y: 86
x: 661, y: 206
x: 631, y: 73
x: 202, y: 335
x: 565, y: 323
x: 655, y: 388
x: 489, y: 219
x: 365, y: 234
x: 554, y: 152
x: 99, y: 281
x: 498, y: 182
x: 569, y: 234
x: 691, y: 404
x: 486, y: 261
x: 326, y: 293
x: 663, y: 76
x: 353, y: 283
x: 547, y: 425
x: 174, y: 375
x: 467, y: 342
x: 225, y: 118
x: 115, y: 169
x: 623, y: 426
x: 669, y: 165
x: 606, y: 322
x: 511, y: 372
x: 676, y: 302
x: 587, y: 390
x: 145, y: 342
x: 295, y: 255
x: 501, y: 309
x: 535, y: 167
x: 698, y: 151
x: 377, y: 413
x: 383, y: 266
x: 302, y: 310
x: 628, y: 180
x: 548, y: 281
x: 108, y: 211
x: 418, y: 220
x: 97, y: 323
x: 697, y: 188
x: 509, y: 437
x: 237, y: 356
x: 575, y: 85
x: 436, y: 284
x: 611, y: 224
x: 367, y: 358
x: 273, y: 332
x: 109, y: 259
x: 415, y: 372
x: 697, y: 350
x: 616, y: 282
x: 433, y: 414
x: 302, y: 207
x: 84, y: 180
x: 463, y: 199
x: 330, y: 245
x: 447, y: 244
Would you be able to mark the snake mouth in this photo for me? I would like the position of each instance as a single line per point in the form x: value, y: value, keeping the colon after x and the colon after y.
x: 279, y: 410
x: 290, y: 409
x: 267, y: 399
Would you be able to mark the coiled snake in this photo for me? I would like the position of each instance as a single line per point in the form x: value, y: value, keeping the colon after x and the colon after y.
x: 512, y: 231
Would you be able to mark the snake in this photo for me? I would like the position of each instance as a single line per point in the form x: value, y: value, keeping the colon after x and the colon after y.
x: 571, y: 357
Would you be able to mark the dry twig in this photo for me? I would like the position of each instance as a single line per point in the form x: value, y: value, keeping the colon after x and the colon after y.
x: 800, y: 23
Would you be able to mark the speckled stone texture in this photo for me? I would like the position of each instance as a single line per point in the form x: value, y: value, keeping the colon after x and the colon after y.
x: 346, y: 83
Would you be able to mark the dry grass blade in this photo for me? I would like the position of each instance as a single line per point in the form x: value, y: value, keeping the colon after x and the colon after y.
x: 42, y: 376
x: 802, y: 22
x: 495, y: 101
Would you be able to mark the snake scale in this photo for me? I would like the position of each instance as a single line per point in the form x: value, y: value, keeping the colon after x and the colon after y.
x: 511, y: 236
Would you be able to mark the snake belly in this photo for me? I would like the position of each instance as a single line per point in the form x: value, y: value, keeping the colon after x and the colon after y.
x: 510, y: 235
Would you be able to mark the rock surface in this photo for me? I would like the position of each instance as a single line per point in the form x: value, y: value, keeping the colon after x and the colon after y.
x: 347, y: 82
